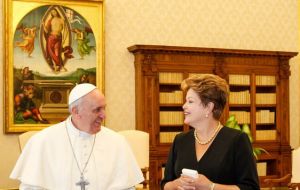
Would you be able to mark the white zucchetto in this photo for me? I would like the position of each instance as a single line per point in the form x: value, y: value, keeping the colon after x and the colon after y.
x: 79, y: 91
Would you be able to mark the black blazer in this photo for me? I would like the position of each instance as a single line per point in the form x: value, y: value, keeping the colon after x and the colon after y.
x: 229, y: 159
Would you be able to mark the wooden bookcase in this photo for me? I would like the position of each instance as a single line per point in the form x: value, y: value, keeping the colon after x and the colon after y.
x: 259, y: 96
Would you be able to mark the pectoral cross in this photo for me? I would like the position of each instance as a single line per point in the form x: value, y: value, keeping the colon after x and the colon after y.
x: 82, y: 183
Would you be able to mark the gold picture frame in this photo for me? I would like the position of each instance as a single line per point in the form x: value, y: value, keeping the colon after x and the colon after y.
x: 49, y: 47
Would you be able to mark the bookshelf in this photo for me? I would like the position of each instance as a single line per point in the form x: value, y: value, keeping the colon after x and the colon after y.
x: 259, y: 96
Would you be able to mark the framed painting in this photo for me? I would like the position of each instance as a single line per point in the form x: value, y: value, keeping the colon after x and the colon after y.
x: 50, y: 46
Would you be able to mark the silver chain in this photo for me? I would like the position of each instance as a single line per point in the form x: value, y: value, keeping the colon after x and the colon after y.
x: 81, y: 172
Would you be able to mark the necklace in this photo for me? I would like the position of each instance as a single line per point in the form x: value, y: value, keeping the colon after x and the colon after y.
x: 210, y: 139
x: 82, y: 183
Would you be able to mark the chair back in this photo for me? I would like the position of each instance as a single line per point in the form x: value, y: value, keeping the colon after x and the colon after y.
x: 139, y: 143
x: 293, y: 179
x: 296, y: 165
x: 24, y: 137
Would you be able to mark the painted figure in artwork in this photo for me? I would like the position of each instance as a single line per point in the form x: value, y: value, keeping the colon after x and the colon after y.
x: 83, y: 41
x: 54, y: 33
x: 26, y: 74
x: 28, y: 36
x: 25, y: 108
x: 43, y: 56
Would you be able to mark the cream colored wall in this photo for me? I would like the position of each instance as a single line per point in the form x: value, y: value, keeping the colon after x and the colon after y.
x: 248, y: 24
x: 9, y: 148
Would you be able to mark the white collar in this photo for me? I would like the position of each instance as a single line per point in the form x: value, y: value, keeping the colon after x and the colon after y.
x: 74, y: 131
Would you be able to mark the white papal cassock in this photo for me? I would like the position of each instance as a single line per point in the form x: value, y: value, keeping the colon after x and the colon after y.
x: 47, y: 160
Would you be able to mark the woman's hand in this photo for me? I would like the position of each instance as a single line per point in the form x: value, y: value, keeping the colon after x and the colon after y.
x: 181, y: 183
x: 200, y: 183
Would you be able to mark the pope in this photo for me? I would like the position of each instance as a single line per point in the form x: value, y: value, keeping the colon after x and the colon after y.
x: 78, y: 153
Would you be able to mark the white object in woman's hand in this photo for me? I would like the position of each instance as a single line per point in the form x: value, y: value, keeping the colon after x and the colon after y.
x: 190, y: 173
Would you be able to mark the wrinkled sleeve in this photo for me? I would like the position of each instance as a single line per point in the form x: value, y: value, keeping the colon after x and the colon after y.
x: 246, y: 172
x: 32, y: 167
x: 127, y: 171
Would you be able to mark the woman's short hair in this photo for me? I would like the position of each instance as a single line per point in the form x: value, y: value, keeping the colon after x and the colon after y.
x: 210, y: 88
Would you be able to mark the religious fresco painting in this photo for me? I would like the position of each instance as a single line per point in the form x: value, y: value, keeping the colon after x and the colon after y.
x: 54, y: 48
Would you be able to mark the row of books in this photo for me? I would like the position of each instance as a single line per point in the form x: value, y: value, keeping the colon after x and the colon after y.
x: 265, y: 134
x: 170, y: 78
x: 265, y: 98
x: 265, y: 80
x: 245, y: 80
x: 241, y: 116
x: 261, y: 168
x: 171, y: 117
x: 262, y: 116
x: 174, y: 97
x: 167, y: 137
x: 174, y: 78
x: 239, y: 79
x: 265, y: 116
x: 196, y: 74
x: 242, y: 97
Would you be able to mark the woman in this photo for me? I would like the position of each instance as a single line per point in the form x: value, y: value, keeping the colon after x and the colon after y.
x: 221, y: 155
